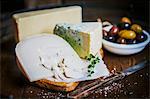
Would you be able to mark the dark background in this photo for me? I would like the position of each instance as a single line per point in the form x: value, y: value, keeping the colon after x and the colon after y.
x: 107, y: 9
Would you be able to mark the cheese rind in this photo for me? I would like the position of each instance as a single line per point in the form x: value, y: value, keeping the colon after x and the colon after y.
x: 85, y: 38
x: 44, y: 21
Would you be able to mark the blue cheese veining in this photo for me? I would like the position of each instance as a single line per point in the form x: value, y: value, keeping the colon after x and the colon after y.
x: 85, y: 38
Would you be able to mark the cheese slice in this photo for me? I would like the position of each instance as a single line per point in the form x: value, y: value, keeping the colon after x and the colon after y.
x: 43, y: 56
x: 85, y: 38
x: 35, y: 22
x: 48, y: 56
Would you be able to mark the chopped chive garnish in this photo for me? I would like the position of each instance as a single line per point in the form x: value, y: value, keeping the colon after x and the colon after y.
x: 90, y: 66
x: 92, y: 72
x: 93, y: 61
x: 88, y: 59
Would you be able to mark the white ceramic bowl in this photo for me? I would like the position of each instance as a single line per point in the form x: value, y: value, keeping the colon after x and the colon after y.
x: 122, y: 49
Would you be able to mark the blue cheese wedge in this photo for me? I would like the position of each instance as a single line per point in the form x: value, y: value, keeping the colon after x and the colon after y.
x: 85, y: 38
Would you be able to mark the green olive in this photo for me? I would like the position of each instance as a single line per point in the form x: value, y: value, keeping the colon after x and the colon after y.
x: 126, y: 20
x: 127, y: 34
x: 137, y: 28
x: 121, y: 32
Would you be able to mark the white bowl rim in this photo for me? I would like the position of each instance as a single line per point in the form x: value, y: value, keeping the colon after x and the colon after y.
x: 116, y: 45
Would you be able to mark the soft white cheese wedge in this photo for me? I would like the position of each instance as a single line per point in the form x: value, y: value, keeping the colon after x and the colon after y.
x: 42, y: 55
x: 48, y: 56
x: 85, y: 38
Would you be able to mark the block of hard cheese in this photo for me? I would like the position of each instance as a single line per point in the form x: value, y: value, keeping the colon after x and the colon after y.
x: 35, y: 22
x: 85, y: 38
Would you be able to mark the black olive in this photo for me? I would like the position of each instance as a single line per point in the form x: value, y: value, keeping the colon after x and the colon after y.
x: 123, y: 26
x: 141, y: 37
x: 111, y: 38
x: 134, y: 42
x: 130, y: 41
x: 121, y: 41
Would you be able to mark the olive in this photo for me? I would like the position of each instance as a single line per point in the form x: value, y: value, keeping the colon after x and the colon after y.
x: 126, y: 20
x: 105, y: 33
x: 114, y: 31
x: 111, y: 38
x: 127, y: 34
x: 134, y: 41
x: 137, y: 28
x: 121, y: 32
x: 121, y: 40
x: 141, y: 37
x: 124, y: 25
